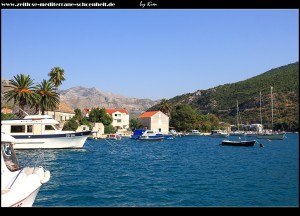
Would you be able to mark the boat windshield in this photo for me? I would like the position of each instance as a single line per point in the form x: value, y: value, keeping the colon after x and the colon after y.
x: 57, y: 126
x: 9, y: 156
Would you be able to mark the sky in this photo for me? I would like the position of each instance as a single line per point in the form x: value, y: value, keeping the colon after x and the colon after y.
x: 155, y: 54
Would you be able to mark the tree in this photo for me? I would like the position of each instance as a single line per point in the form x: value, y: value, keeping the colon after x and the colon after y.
x: 5, y: 116
x: 46, y: 95
x: 57, y: 75
x: 70, y: 125
x: 85, y: 121
x: 184, y: 117
x: 109, y: 129
x: 164, y: 107
x: 21, y: 92
x: 78, y: 114
x: 203, y: 123
x: 214, y: 121
x: 100, y: 115
x: 135, y: 123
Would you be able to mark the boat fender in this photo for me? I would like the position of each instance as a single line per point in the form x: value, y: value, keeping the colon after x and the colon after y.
x: 46, y: 177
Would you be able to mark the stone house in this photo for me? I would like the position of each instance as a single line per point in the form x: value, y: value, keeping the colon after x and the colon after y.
x: 155, y: 120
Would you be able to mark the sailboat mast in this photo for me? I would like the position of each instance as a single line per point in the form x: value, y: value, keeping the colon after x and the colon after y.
x: 260, y: 107
x: 272, y: 105
x: 237, y: 114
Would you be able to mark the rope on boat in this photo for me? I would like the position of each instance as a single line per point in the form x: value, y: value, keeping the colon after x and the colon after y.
x: 260, y: 144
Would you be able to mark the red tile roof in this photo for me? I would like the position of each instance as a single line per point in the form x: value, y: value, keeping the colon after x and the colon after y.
x: 63, y: 107
x: 148, y: 114
x: 111, y: 111
x: 87, y: 110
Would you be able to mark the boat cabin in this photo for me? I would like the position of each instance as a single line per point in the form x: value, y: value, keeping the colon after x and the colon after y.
x: 30, y: 125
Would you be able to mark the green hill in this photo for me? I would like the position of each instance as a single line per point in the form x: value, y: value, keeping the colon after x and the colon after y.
x: 222, y: 100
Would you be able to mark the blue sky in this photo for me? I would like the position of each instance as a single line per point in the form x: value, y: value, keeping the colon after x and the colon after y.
x: 153, y: 54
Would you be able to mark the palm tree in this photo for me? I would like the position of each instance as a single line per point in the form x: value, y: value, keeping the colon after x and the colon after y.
x: 46, y: 95
x: 164, y: 107
x: 21, y: 91
x: 57, y: 75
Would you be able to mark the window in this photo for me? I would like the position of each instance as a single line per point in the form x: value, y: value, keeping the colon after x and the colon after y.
x: 29, y: 128
x: 17, y: 129
x: 49, y: 127
x: 9, y: 157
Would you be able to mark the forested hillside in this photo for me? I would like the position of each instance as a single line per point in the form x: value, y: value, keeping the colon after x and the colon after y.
x: 222, y: 100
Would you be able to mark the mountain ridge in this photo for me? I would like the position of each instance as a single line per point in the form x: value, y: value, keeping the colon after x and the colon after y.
x: 222, y: 99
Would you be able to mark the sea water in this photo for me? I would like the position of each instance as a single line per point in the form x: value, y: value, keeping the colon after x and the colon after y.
x: 190, y: 171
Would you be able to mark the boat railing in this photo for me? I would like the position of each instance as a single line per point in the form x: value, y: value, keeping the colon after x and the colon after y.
x: 39, y: 155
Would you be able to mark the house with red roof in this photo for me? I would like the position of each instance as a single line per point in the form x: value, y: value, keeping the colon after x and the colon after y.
x: 63, y: 113
x: 120, y: 118
x: 155, y: 120
x: 86, y: 112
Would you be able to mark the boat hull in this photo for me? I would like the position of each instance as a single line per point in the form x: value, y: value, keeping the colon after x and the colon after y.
x: 10, y: 200
x: 150, y: 138
x: 238, y: 143
x: 51, y: 141
x: 218, y: 135
x: 20, y: 188
x: 271, y: 136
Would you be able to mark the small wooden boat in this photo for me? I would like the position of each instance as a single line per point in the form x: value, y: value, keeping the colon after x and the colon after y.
x: 238, y: 143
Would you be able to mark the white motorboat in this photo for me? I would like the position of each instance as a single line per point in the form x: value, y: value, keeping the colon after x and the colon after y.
x: 41, y: 131
x: 194, y: 132
x: 19, y: 185
x: 218, y: 134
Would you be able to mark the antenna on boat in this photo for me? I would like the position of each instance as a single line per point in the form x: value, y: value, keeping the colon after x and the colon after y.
x: 24, y: 111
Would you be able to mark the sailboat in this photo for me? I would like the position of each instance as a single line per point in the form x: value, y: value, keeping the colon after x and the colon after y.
x: 237, y: 132
x: 270, y: 134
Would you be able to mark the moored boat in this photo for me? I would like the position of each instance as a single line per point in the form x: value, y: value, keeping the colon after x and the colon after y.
x: 238, y: 143
x: 40, y: 131
x: 218, y: 134
x: 148, y: 135
x: 19, y: 186
x: 114, y: 136
x: 272, y: 136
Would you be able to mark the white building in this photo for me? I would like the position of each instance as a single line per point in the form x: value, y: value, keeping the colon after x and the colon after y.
x: 120, y: 119
x: 63, y: 113
x: 155, y: 120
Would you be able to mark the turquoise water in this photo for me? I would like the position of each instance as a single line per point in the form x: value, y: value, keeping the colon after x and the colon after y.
x: 186, y: 171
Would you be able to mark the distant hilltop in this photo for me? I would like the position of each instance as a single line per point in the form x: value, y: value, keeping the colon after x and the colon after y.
x: 81, y: 97
x: 222, y: 100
